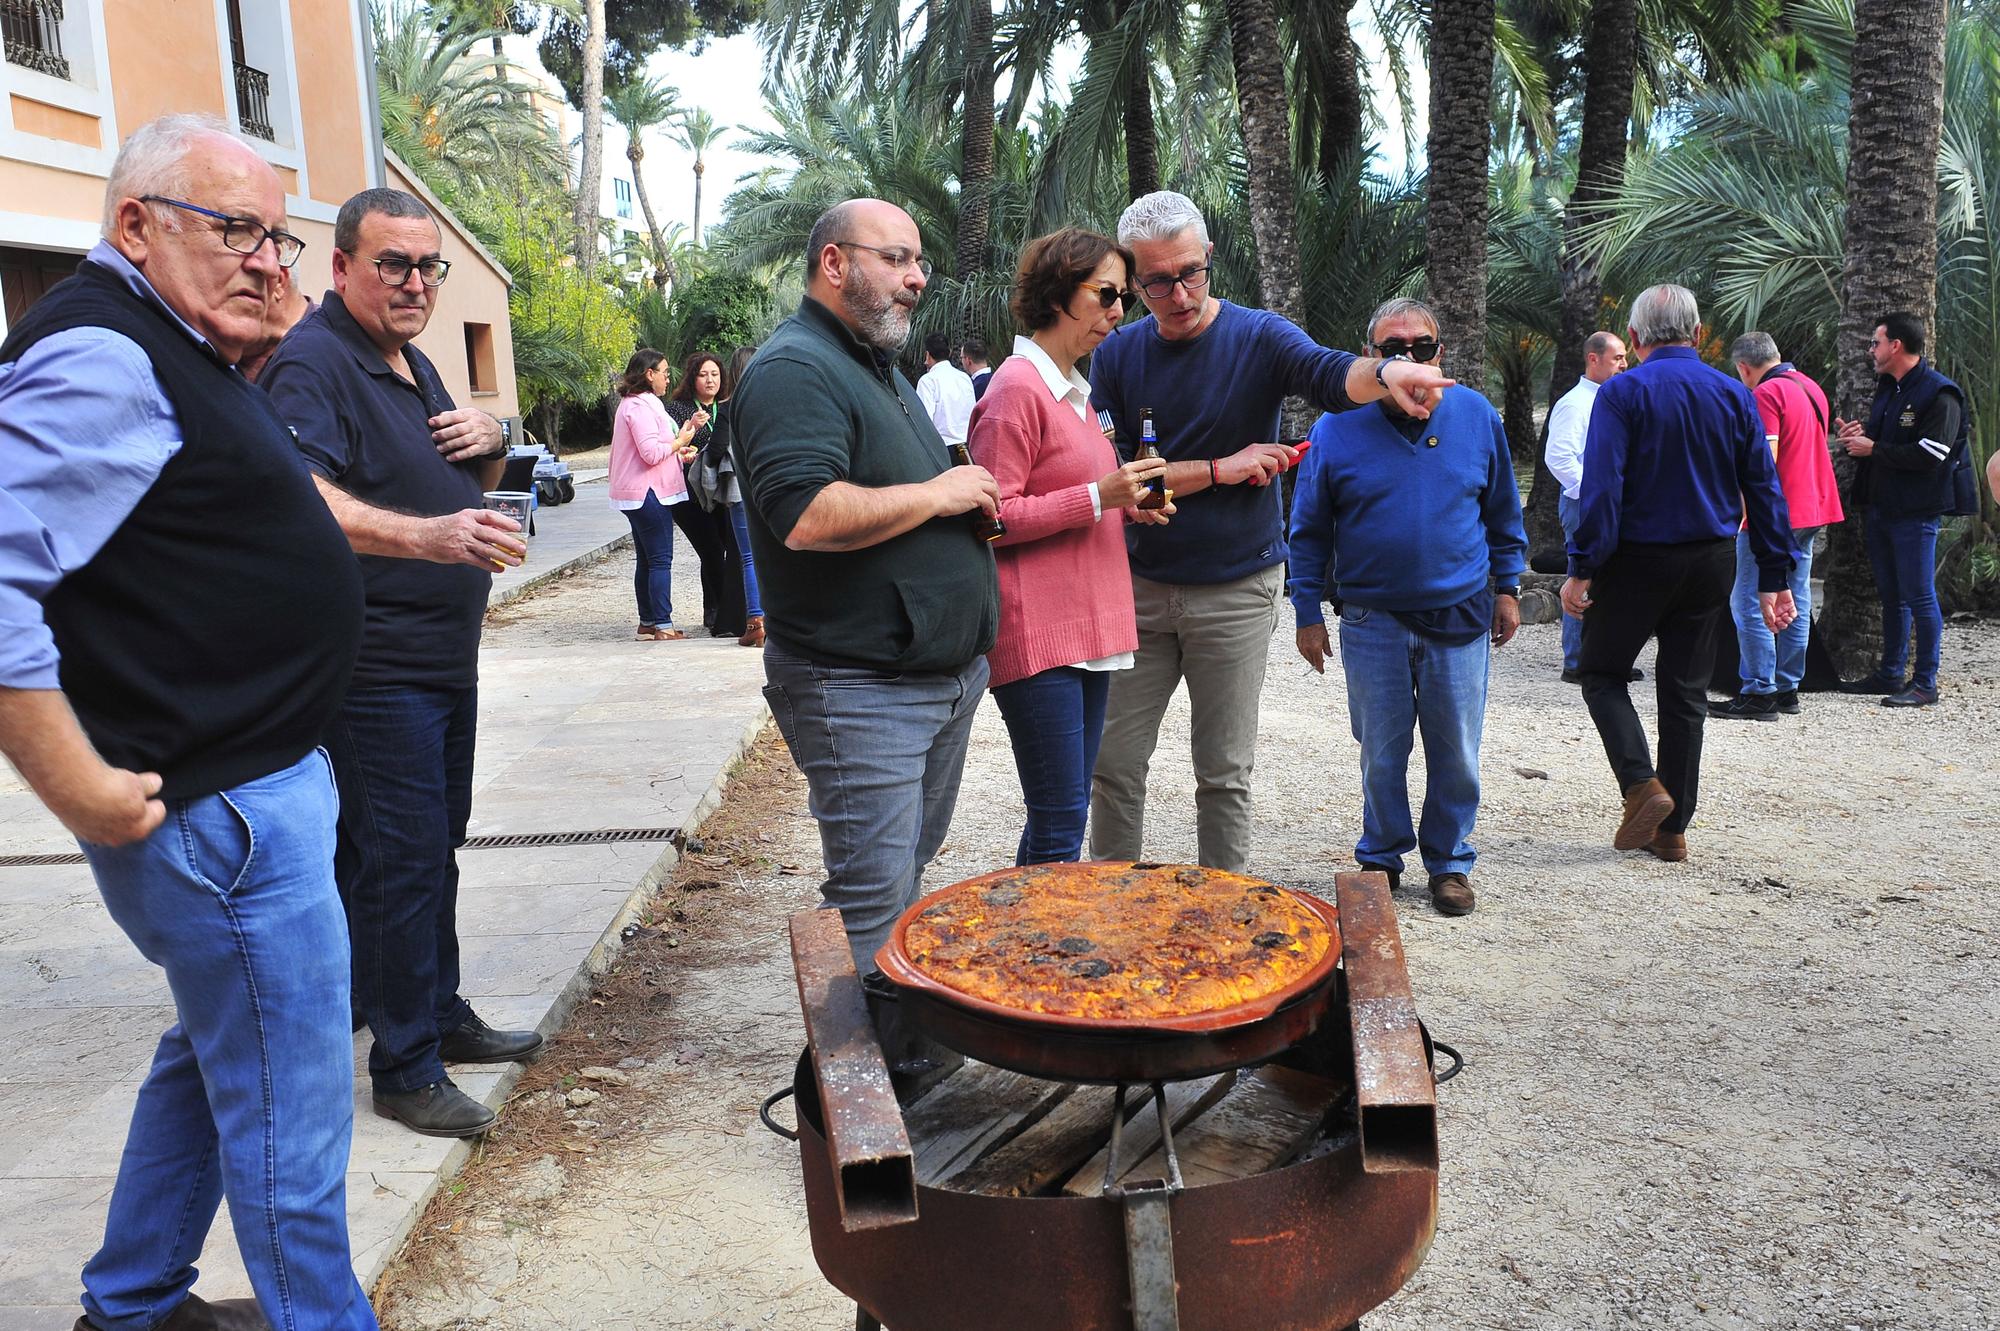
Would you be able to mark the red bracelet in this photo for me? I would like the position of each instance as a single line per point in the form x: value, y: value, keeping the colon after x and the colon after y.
x: 1213, y: 477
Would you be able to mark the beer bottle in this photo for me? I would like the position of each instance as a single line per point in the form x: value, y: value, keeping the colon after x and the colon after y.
x: 1149, y: 447
x: 984, y: 527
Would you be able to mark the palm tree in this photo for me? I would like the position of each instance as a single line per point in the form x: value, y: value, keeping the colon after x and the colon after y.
x: 1896, y: 118
x: 590, y: 175
x: 697, y: 131
x: 638, y: 105
x: 1267, y: 151
x: 1455, y: 218
x: 975, y: 176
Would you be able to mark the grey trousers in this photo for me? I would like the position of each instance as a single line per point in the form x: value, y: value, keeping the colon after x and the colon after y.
x: 1218, y: 638
x: 882, y: 754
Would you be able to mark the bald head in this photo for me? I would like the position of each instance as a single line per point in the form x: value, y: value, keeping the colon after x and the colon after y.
x: 864, y: 262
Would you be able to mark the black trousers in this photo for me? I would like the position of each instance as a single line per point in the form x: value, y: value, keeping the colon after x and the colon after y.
x: 714, y: 540
x: 1680, y: 594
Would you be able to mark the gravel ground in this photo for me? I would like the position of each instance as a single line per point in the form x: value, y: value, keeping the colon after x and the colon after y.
x: 1753, y: 1090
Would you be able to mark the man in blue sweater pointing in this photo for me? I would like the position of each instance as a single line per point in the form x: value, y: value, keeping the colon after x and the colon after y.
x: 1412, y: 528
x: 1213, y: 376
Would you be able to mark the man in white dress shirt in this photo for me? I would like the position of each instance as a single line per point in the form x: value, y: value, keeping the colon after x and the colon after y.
x: 945, y: 390
x: 1569, y: 423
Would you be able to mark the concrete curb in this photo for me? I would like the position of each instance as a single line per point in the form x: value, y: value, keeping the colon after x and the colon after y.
x: 597, y: 555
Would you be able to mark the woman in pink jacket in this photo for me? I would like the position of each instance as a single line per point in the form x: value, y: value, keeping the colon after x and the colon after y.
x: 1066, y: 618
x: 646, y: 481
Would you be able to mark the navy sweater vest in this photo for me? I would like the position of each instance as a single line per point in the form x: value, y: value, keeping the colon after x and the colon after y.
x: 211, y: 639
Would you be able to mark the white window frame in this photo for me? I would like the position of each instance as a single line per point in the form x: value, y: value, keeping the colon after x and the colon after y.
x: 267, y: 45
x: 87, y: 91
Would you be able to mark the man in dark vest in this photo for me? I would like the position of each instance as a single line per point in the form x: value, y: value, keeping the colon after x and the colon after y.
x: 178, y: 619
x: 1917, y: 431
x: 403, y: 469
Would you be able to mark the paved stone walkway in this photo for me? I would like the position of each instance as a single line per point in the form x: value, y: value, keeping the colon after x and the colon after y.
x: 573, y: 737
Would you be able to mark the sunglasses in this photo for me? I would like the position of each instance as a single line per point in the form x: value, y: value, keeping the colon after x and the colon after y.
x: 1108, y: 295
x: 1423, y: 349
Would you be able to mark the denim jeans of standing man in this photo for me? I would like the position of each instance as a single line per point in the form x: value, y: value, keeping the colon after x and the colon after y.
x: 403, y: 757
x: 1570, y: 511
x: 1054, y: 720
x: 251, y: 1092
x: 653, y: 562
x: 882, y: 755
x: 1903, y: 552
x: 1772, y: 663
x: 1401, y: 684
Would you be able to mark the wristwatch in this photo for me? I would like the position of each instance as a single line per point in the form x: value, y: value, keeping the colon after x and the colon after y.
x: 1382, y: 365
x: 1514, y: 591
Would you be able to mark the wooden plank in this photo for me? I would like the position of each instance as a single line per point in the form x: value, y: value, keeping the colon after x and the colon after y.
x: 1046, y: 1153
x: 1141, y: 1139
x: 1269, y: 1116
x: 975, y: 1110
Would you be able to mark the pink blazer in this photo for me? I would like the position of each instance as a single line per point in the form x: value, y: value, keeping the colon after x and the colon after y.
x: 642, y: 451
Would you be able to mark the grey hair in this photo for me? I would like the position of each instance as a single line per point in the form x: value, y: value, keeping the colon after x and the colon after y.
x: 1399, y: 305
x: 1665, y: 314
x: 154, y: 161
x: 1161, y: 215
x: 375, y: 203
x: 1755, y: 349
x: 1598, y: 343
x: 824, y: 233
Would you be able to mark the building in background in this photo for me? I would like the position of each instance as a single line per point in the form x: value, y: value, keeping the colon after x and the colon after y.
x: 79, y: 74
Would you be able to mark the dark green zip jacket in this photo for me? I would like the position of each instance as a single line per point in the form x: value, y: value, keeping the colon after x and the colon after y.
x: 818, y: 405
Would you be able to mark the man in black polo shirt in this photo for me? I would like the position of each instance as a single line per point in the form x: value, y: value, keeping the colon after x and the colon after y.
x: 880, y: 601
x: 403, y: 469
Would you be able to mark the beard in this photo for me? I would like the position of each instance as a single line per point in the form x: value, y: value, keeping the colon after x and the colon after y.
x: 879, y: 313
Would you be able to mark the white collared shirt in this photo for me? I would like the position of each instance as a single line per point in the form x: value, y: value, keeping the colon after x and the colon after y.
x: 946, y: 392
x: 1569, y: 426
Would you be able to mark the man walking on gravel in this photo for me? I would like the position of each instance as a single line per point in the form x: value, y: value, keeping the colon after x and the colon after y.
x: 1675, y: 456
x: 880, y: 598
x: 403, y: 469
x: 1569, y: 423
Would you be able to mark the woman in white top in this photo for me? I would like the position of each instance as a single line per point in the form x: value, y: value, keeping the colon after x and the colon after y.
x: 647, y: 479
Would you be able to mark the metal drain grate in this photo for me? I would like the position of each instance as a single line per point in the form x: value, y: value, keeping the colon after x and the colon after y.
x: 515, y: 841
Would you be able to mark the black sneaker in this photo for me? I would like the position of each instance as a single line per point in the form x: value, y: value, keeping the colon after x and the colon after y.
x: 437, y: 1110
x: 1913, y: 696
x: 476, y: 1042
x: 1745, y: 707
x: 1877, y: 683
x: 1787, y: 701
x: 1571, y: 677
x: 1395, y: 876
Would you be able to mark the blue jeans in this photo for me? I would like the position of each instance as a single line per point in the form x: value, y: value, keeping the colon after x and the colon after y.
x: 1398, y: 683
x: 251, y: 1092
x: 882, y: 754
x: 653, y: 562
x: 1055, y: 720
x: 1904, y: 554
x: 1571, y: 513
x: 1772, y: 664
x: 403, y: 758
x: 741, y: 524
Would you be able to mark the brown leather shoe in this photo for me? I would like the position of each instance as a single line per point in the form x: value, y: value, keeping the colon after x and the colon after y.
x: 1669, y: 846
x: 753, y: 632
x: 1451, y: 893
x: 1646, y: 807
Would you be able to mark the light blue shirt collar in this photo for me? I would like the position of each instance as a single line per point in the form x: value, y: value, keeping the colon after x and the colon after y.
x: 105, y: 255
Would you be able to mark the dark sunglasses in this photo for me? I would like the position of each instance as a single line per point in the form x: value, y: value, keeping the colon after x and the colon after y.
x: 1108, y: 295
x: 1423, y: 349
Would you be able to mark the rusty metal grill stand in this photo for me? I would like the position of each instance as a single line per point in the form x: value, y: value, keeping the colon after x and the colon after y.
x: 1149, y: 1221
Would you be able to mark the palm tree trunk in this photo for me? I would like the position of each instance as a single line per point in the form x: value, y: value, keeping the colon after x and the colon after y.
x: 1267, y: 149
x: 1455, y: 211
x: 1142, y: 141
x: 633, y: 154
x: 1896, y: 117
x: 699, y: 168
x: 591, y: 175
x: 975, y: 177
x: 1340, y: 127
x: 1610, y: 54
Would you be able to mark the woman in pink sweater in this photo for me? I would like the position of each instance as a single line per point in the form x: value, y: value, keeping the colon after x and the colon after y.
x: 646, y: 481
x: 1066, y: 615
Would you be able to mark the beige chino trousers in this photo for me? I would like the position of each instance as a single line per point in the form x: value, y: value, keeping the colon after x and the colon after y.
x: 1217, y: 638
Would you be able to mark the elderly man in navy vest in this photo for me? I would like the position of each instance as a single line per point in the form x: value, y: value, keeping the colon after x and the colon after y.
x: 1674, y: 462
x: 1917, y: 431
x: 403, y: 469
x: 178, y: 618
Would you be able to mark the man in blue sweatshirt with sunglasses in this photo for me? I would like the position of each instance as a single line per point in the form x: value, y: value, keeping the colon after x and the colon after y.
x: 1412, y: 528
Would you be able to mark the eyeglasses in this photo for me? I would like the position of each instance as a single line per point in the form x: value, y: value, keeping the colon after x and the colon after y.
x: 242, y: 234
x: 1159, y: 288
x: 1107, y: 294
x: 897, y: 259
x: 1423, y: 349
x: 395, y: 270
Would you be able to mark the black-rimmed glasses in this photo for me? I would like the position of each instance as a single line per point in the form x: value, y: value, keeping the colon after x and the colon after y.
x: 897, y: 259
x: 395, y: 270
x: 1423, y: 349
x: 1107, y: 294
x: 241, y: 234
x: 1159, y: 288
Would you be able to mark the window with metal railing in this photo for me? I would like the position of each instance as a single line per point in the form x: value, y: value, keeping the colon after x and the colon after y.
x: 253, y: 102
x: 33, y: 31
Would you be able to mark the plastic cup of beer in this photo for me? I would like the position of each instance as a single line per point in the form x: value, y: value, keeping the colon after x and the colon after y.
x: 516, y: 504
